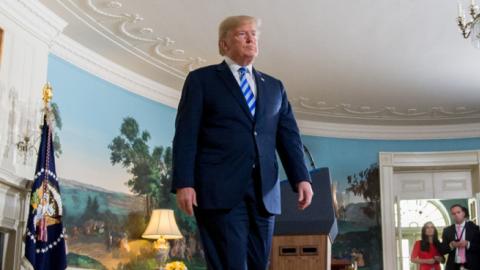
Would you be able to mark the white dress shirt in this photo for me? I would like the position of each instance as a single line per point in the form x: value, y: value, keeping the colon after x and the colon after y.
x: 250, y: 77
x: 463, y: 238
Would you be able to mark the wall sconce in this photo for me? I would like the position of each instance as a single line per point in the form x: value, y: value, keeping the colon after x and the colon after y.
x: 27, y: 143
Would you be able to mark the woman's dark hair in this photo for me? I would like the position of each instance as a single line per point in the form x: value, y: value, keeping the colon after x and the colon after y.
x: 464, y: 209
x: 425, y: 243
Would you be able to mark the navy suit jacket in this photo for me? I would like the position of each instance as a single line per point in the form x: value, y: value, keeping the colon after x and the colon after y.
x: 472, y: 234
x: 217, y: 141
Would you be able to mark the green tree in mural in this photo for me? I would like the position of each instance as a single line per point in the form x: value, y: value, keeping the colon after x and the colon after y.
x: 148, y: 168
x: 135, y: 225
x: 91, y: 209
x: 151, y: 170
x: 163, y: 156
x: 58, y: 125
x: 367, y: 184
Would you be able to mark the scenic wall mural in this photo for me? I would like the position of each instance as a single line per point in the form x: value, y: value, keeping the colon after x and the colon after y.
x: 354, y: 169
x: 115, y: 165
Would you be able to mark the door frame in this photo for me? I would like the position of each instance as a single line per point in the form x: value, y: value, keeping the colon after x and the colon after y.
x: 391, y: 161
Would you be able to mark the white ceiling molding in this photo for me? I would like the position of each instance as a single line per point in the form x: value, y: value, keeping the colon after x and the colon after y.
x: 341, y: 75
x: 88, y: 60
x: 42, y: 23
x: 161, y: 52
x: 384, y: 132
x: 305, y: 105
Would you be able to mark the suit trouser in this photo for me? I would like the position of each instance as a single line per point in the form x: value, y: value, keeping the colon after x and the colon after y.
x: 239, y: 238
x: 457, y: 266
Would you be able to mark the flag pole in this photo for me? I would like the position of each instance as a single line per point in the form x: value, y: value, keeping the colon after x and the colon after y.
x: 47, y: 96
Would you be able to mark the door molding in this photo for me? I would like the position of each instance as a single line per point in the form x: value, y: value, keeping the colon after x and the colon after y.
x: 390, y: 161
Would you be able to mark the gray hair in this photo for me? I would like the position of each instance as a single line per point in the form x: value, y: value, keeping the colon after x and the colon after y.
x: 233, y: 22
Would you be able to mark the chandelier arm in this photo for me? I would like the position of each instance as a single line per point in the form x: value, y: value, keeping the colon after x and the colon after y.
x: 468, y: 30
x: 464, y: 27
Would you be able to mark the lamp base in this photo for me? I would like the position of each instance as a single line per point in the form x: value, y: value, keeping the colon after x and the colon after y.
x: 163, y: 248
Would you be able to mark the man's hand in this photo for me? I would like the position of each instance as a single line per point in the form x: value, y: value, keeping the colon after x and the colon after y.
x: 462, y: 244
x: 186, y: 199
x: 453, y: 244
x: 459, y: 244
x: 305, y: 194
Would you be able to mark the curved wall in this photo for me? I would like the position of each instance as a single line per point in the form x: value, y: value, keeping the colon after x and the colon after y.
x: 93, y: 109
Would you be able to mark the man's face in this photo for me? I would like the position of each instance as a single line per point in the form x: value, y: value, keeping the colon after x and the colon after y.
x: 458, y: 215
x: 241, y: 43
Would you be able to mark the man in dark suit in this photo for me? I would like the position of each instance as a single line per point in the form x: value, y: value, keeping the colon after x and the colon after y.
x: 231, y: 119
x: 461, y: 241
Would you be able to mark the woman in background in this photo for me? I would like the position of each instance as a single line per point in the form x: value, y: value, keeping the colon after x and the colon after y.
x: 425, y: 252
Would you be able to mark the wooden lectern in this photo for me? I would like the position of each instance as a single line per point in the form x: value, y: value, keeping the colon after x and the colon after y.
x: 303, y: 239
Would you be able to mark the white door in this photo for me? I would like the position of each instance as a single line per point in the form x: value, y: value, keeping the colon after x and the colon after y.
x: 473, y: 208
x: 410, y: 216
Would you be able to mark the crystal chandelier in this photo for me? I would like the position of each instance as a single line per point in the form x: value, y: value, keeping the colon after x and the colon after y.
x: 471, y: 28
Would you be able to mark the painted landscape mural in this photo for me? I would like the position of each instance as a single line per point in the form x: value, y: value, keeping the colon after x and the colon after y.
x: 105, y: 227
x: 354, y: 170
x: 359, y: 221
x: 115, y: 167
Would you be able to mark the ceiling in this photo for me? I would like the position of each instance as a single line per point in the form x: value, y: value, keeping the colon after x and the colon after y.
x: 389, y: 62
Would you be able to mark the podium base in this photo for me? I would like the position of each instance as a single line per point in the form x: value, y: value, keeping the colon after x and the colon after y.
x: 306, y: 252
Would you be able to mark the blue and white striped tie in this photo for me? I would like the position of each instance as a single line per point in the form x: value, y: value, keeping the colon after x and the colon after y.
x: 246, y: 90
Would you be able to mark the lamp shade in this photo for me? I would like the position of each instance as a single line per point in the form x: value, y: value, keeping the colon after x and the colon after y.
x: 162, y: 224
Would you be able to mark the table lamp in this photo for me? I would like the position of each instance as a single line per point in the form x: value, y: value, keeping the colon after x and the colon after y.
x: 162, y: 227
